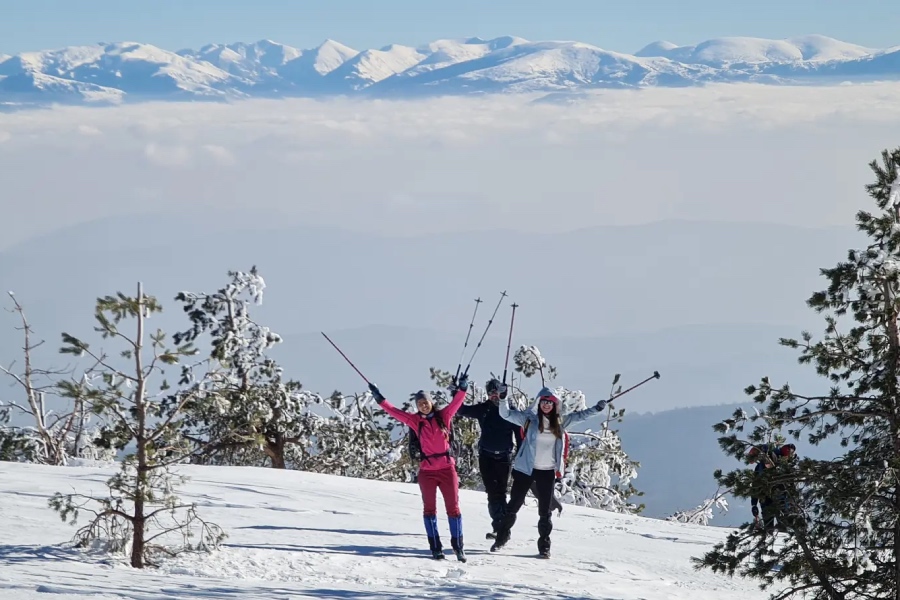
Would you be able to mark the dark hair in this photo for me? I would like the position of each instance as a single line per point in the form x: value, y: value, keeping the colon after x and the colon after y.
x: 555, y: 425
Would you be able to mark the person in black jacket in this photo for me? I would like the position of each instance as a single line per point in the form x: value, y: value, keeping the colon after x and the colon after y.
x: 496, y: 447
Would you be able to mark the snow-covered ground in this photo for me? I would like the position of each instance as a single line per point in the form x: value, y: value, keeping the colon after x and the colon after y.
x: 301, y: 535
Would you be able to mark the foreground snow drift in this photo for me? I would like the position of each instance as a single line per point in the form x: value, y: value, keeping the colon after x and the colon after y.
x: 295, y: 534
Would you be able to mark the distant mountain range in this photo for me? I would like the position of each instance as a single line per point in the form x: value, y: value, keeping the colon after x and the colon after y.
x: 130, y: 71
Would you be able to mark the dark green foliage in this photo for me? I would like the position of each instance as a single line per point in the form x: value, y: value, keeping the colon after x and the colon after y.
x: 846, y: 511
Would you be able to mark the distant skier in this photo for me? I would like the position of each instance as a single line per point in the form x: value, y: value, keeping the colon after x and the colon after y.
x: 496, y: 446
x: 539, y: 460
x: 438, y: 467
x: 777, y: 509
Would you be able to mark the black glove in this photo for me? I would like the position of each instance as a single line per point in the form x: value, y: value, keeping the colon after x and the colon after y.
x: 600, y: 405
x: 754, y: 511
x: 375, y: 393
x: 463, y: 383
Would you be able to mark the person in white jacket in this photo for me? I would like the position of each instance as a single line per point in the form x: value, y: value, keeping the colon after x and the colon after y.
x: 539, y: 461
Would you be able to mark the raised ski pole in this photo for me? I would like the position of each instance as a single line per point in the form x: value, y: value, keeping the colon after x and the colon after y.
x: 635, y: 386
x: 478, y: 301
x: 502, y: 296
x: 509, y: 343
x: 349, y: 362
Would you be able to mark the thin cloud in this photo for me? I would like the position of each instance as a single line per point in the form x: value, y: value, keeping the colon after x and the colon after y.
x: 793, y: 155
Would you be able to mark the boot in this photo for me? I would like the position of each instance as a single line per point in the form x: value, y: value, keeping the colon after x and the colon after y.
x: 502, y: 538
x: 545, y: 526
x: 456, y: 537
x: 457, y: 544
x: 496, y: 510
x: 505, y: 531
x: 437, y: 551
x: 434, y: 538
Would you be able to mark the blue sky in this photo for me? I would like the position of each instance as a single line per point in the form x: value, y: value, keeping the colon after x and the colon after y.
x: 623, y: 25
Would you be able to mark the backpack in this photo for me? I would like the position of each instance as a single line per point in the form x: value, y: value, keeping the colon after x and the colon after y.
x: 414, y: 447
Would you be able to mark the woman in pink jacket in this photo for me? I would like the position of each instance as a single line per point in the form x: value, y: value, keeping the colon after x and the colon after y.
x: 438, y: 467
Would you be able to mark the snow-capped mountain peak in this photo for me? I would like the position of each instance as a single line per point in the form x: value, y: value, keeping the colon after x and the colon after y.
x: 372, y: 66
x: 733, y: 50
x: 506, y: 64
x: 660, y: 48
x: 816, y: 47
x: 330, y: 54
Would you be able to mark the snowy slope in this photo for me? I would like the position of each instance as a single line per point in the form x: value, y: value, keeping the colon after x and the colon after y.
x: 306, y: 73
x: 549, y: 66
x: 294, y: 533
x: 501, y: 65
x: 128, y: 67
x: 23, y: 85
x: 251, y: 61
x: 730, y: 50
x: 372, y: 66
x: 445, y: 53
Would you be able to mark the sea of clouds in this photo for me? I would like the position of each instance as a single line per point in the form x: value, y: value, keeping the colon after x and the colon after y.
x: 795, y: 155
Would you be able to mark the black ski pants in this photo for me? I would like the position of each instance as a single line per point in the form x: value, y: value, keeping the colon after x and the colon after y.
x: 495, y: 476
x: 545, y: 481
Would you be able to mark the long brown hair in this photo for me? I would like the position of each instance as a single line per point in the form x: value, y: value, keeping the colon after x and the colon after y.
x: 553, y: 418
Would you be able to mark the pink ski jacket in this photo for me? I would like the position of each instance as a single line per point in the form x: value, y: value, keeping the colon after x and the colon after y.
x: 434, y: 440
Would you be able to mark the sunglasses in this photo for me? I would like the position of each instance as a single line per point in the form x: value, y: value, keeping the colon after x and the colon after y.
x: 547, y: 401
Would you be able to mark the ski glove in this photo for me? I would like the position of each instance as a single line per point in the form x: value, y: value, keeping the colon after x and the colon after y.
x: 463, y: 383
x: 600, y: 405
x: 376, y: 394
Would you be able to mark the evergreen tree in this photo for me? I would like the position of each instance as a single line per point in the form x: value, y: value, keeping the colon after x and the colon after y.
x: 242, y: 411
x: 141, y: 514
x: 842, y: 516
x: 352, y: 443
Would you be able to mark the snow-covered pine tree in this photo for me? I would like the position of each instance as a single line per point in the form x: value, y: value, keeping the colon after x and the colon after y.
x: 54, y: 432
x: 843, y: 515
x: 704, y: 512
x: 599, y: 472
x: 352, y: 443
x: 141, y: 514
x: 242, y: 410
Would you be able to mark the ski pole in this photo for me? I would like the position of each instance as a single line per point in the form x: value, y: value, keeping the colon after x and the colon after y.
x: 466, y: 344
x: 502, y: 296
x: 509, y: 343
x: 345, y: 358
x: 635, y: 386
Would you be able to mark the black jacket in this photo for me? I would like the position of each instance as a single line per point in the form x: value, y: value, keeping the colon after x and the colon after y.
x: 499, y: 437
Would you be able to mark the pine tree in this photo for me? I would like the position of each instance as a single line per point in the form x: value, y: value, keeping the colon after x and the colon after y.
x: 351, y: 442
x: 141, y: 510
x: 842, y: 516
x: 242, y: 410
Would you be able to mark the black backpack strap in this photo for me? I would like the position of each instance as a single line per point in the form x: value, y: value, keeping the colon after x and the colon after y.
x: 440, y: 422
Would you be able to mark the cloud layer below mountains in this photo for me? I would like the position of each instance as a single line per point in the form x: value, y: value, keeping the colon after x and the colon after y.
x: 792, y: 155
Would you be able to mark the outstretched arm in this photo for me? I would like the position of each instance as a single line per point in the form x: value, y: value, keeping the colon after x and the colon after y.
x: 449, y: 411
x: 472, y: 411
x: 519, y: 417
x: 581, y: 415
x: 402, y: 416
